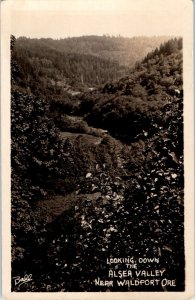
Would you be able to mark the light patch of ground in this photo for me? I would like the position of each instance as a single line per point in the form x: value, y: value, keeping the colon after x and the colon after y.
x: 83, y: 136
x: 49, y: 209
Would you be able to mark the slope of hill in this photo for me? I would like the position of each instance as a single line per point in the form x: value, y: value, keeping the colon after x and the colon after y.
x: 136, y: 103
x: 61, y: 70
x: 84, y: 61
x: 126, y: 51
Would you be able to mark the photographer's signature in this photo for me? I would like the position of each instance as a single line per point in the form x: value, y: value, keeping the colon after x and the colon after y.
x: 21, y: 280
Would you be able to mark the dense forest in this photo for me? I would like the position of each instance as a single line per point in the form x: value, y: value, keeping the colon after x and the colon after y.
x: 83, y: 61
x: 96, y: 174
x: 126, y: 51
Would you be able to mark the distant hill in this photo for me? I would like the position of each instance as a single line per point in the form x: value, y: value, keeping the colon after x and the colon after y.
x: 60, y: 69
x: 81, y: 61
x: 126, y: 51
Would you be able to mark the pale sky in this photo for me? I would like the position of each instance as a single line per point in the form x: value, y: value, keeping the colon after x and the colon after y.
x: 63, y: 18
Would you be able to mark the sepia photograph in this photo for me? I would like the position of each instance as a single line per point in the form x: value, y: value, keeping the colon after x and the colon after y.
x: 98, y: 190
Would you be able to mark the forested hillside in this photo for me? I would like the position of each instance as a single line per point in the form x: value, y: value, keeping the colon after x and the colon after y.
x: 97, y: 175
x: 53, y: 68
x: 83, y: 61
x: 126, y: 51
x: 137, y: 103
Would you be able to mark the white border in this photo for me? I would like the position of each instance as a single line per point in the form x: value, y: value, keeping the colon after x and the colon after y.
x: 7, y: 9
